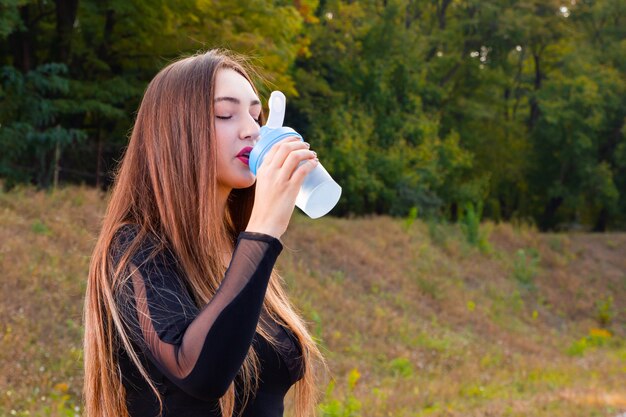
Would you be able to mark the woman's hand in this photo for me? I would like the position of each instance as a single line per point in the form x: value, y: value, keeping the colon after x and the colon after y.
x: 277, y: 185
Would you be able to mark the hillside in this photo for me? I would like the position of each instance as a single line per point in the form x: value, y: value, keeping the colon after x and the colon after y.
x: 413, y: 320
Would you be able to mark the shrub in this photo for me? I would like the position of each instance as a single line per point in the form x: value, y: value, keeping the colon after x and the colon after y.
x: 470, y: 225
x: 525, y: 267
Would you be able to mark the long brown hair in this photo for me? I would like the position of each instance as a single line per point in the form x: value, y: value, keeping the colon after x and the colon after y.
x: 166, y: 185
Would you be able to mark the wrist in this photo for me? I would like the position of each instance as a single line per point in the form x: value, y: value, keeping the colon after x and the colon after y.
x: 263, y: 229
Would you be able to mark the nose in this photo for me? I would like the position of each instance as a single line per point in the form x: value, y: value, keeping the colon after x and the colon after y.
x: 251, y: 130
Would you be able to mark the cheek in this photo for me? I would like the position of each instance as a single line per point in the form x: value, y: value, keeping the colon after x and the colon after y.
x: 226, y: 135
x: 222, y: 145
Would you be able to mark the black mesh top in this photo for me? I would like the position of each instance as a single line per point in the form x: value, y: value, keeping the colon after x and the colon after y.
x: 192, y: 354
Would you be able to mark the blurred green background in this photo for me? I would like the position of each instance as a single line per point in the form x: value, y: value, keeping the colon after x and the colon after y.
x: 515, y: 107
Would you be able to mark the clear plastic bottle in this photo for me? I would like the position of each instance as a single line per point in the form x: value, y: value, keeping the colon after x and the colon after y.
x: 319, y: 192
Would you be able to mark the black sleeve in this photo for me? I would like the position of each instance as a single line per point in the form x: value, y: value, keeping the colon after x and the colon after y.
x: 201, y: 350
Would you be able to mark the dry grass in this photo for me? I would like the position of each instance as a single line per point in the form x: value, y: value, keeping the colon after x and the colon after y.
x: 433, y: 325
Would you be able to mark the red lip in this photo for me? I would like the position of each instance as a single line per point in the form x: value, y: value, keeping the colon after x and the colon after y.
x: 245, y: 152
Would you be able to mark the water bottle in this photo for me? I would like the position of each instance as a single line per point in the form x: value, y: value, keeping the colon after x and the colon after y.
x: 319, y: 192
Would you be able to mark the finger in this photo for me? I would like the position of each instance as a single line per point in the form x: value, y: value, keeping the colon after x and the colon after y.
x: 297, y: 178
x: 293, y: 160
x: 284, y: 150
x: 272, y: 152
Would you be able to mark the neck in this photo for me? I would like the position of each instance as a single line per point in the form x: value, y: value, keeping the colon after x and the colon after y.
x: 222, y: 199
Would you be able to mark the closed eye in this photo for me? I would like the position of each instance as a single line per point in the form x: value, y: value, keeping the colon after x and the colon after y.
x: 258, y: 120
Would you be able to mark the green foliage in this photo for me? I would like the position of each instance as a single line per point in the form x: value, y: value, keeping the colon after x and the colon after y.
x: 470, y: 225
x: 401, y: 367
x: 576, y: 108
x: 596, y: 338
x: 349, y: 406
x: 9, y: 17
x: 61, y: 404
x: 31, y: 108
x: 338, y: 276
x: 605, y: 311
x: 410, y: 219
x: 270, y: 33
x: 317, y: 332
x: 40, y: 228
x: 410, y: 104
x: 526, y: 267
x: 359, y: 103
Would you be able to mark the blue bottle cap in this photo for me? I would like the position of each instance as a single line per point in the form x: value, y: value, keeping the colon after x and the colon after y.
x: 268, y: 137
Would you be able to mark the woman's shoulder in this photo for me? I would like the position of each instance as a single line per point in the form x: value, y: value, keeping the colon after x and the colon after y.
x: 124, y: 235
x: 156, y: 262
x: 142, y: 245
x: 123, y: 239
x: 128, y: 232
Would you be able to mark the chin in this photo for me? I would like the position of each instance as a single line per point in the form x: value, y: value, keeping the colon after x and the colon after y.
x: 246, y: 183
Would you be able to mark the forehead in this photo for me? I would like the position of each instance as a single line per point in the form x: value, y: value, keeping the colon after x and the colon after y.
x: 229, y: 83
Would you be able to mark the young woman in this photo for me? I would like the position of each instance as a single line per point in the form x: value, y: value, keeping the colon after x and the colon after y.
x: 184, y: 313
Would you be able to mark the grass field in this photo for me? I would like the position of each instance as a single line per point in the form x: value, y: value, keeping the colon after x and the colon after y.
x: 414, y: 321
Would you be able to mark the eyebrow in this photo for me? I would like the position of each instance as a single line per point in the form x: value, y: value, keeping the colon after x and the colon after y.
x: 236, y: 100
